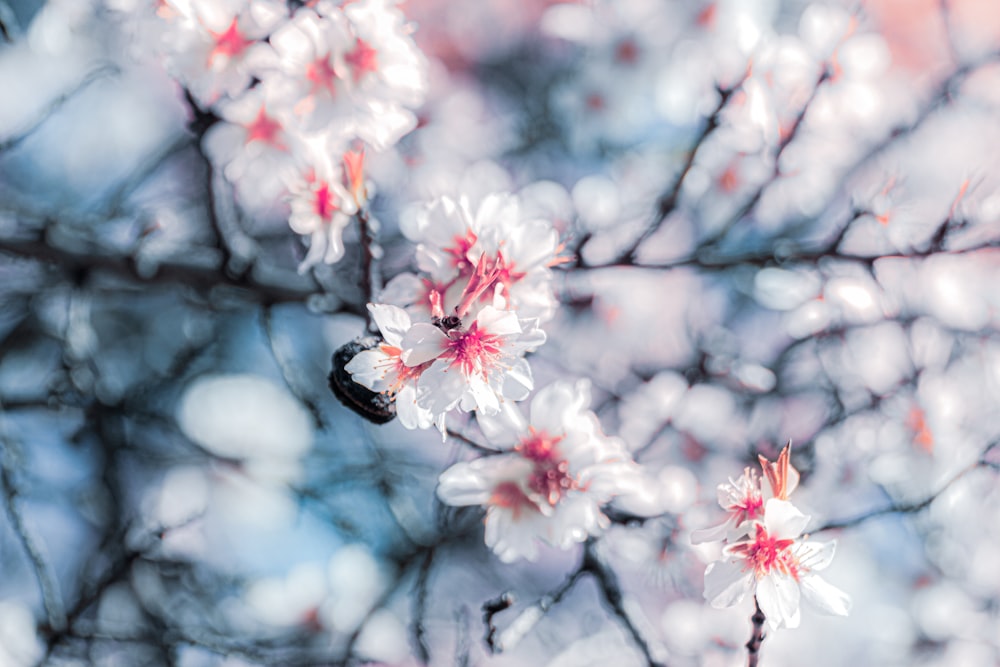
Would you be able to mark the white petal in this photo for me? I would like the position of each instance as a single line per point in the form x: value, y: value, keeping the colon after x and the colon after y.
x: 531, y: 337
x: 726, y: 583
x: 783, y: 520
x: 440, y: 388
x: 498, y: 322
x: 403, y: 290
x: 393, y: 322
x: 559, y: 405
x: 369, y: 369
x: 815, y: 556
x: 422, y: 343
x: 517, y: 381
x: 411, y: 415
x: 711, y: 534
x: 464, y: 484
x: 778, y: 597
x: 505, y: 428
x: 484, y: 396
x: 827, y: 598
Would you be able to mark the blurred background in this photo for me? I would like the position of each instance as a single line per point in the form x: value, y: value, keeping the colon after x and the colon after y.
x: 784, y: 217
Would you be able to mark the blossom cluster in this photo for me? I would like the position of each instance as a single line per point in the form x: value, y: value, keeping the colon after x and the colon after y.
x: 765, y: 552
x: 456, y: 335
x: 298, y: 94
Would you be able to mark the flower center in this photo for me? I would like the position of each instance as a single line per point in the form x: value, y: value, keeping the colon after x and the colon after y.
x: 510, y: 496
x: 321, y: 75
x: 404, y: 374
x: 459, y: 249
x: 473, y: 351
x: 752, y: 506
x: 766, y: 554
x: 229, y: 43
x: 551, y: 477
x: 264, y: 128
x: 363, y: 59
x: 325, y: 203
x: 627, y: 52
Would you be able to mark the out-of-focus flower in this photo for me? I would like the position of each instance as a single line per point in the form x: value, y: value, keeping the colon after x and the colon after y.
x: 254, y: 147
x: 321, y: 207
x: 777, y: 567
x: 214, y: 47
x: 552, y: 485
x: 351, y: 70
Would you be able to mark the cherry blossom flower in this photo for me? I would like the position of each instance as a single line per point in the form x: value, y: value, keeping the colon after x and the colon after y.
x: 474, y: 365
x: 215, y: 47
x: 382, y: 369
x: 454, y: 234
x: 778, y: 567
x: 321, y: 207
x: 254, y: 147
x: 309, y: 70
x: 744, y: 498
x: 353, y: 70
x: 384, y: 62
x: 550, y: 484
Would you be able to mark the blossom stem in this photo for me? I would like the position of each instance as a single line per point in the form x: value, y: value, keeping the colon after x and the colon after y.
x: 369, y: 281
x: 757, y: 636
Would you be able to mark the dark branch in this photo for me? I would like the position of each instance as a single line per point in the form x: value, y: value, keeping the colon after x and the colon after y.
x: 607, y: 582
x: 906, y: 508
x: 200, y: 268
x: 668, y: 200
x: 757, y: 636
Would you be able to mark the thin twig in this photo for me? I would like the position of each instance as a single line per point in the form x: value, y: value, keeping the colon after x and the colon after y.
x: 56, y: 104
x: 757, y: 636
x: 201, y: 269
x: 54, y: 609
x: 607, y: 582
x: 420, y: 608
x: 369, y: 280
x: 905, y: 508
x: 289, y: 373
x: 668, y: 201
x: 783, y: 144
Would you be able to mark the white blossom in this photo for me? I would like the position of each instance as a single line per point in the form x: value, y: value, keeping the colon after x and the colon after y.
x: 551, y: 483
x: 778, y: 567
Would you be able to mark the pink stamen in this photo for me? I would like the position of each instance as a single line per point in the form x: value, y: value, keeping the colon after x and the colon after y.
x: 459, y: 249
x: 325, y: 203
x: 354, y: 165
x: 473, y: 351
x: 404, y: 374
x: 481, y: 280
x: 766, y: 554
x: 551, y: 478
